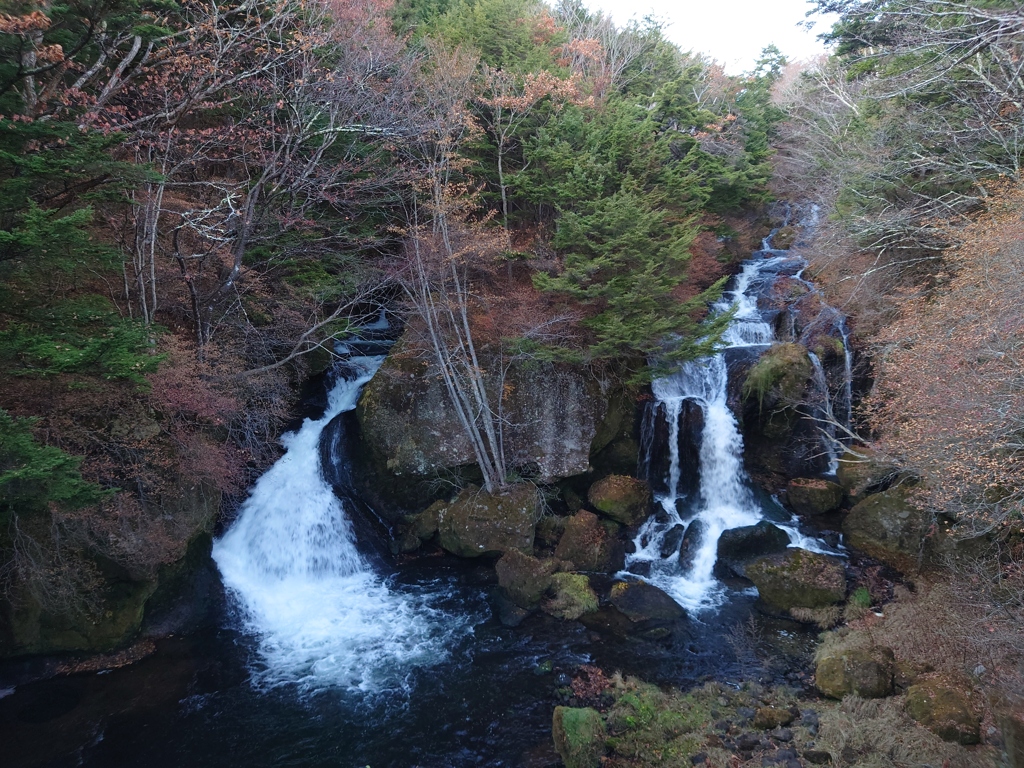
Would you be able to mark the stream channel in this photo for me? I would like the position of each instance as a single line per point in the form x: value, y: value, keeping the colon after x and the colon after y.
x: 310, y: 646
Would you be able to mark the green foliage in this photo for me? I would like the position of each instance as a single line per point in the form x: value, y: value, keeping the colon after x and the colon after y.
x: 33, y: 476
x: 505, y: 32
x: 861, y: 597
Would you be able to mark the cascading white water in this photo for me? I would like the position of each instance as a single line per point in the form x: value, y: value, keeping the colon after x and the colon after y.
x: 321, y: 616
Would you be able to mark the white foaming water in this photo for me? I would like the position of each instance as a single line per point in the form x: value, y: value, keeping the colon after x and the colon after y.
x: 321, y: 616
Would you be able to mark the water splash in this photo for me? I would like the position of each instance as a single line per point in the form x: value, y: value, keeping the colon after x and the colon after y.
x: 321, y: 616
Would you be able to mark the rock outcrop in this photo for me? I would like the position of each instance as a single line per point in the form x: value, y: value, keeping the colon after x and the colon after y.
x: 810, y: 497
x: 477, y: 523
x: 624, y: 499
x: 738, y: 546
x: 889, y: 528
x: 797, y: 578
x: 587, y: 543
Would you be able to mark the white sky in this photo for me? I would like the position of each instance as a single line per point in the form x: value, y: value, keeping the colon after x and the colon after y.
x: 732, y: 31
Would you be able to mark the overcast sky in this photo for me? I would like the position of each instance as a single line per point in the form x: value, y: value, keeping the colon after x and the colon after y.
x: 732, y: 31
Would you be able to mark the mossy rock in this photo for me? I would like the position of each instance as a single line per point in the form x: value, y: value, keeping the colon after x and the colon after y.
x: 588, y: 545
x: 580, y: 736
x: 643, y: 602
x: 780, y: 376
x: 478, y: 523
x: 525, y: 579
x: 624, y: 499
x: 863, y: 470
x: 572, y: 597
x: 767, y: 718
x: 797, y: 578
x: 738, y: 546
x: 814, y: 496
x: 865, y: 672
x: 947, y: 706
x: 889, y: 528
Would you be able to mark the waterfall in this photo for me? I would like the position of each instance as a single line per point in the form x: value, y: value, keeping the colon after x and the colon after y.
x: 320, y: 615
x: 676, y: 548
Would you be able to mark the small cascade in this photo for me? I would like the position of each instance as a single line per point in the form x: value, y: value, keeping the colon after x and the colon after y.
x: 320, y: 615
x: 676, y: 548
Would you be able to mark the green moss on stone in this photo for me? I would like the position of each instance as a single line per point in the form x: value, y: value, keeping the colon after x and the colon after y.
x: 579, y: 736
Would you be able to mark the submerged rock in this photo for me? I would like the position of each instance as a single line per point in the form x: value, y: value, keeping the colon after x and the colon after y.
x: 865, y: 672
x: 738, y: 546
x: 624, y: 499
x: 477, y: 523
x: 947, y: 706
x: 579, y: 736
x: 672, y: 541
x: 887, y: 527
x: 691, y: 543
x: 814, y: 496
x: 797, y: 578
x: 640, y: 602
x: 572, y: 597
x: 587, y: 544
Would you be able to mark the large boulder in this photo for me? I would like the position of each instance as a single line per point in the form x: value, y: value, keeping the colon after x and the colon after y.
x: 642, y: 602
x: 553, y: 413
x: 889, y: 528
x: 947, y: 706
x: 588, y: 545
x: 738, y: 546
x: 571, y: 597
x: 866, y: 672
x: 863, y: 470
x: 580, y: 736
x: 478, y: 523
x: 814, y: 496
x: 624, y: 499
x: 797, y: 578
x: 524, y: 578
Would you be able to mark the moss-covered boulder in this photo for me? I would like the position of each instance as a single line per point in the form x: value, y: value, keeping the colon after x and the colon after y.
x: 571, y: 597
x: 863, y: 671
x: 888, y: 527
x: 478, y: 523
x: 643, y: 602
x: 738, y: 546
x: 587, y: 543
x: 524, y: 578
x: 947, y: 706
x: 580, y: 736
x: 814, y: 496
x: 623, y: 499
x: 863, y: 470
x: 797, y: 578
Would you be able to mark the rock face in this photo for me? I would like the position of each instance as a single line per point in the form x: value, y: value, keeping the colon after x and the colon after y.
x: 524, y: 578
x: 477, y: 523
x: 778, y: 440
x: 572, y: 597
x: 865, y: 672
x: 887, y: 527
x: 738, y: 546
x: 587, y: 544
x: 814, y: 496
x: 640, y: 602
x: 580, y: 736
x: 624, y: 499
x: 862, y: 471
x: 553, y: 412
x: 946, y: 705
x: 797, y: 578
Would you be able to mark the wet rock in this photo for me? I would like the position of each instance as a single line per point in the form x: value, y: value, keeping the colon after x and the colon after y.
x: 865, y: 672
x: 888, y: 528
x: 691, y: 543
x: 424, y: 525
x: 862, y: 471
x: 579, y: 736
x: 767, y: 718
x: 641, y: 602
x: 623, y: 499
x: 572, y: 597
x: 524, y: 578
x: 947, y: 706
x: 477, y: 523
x: 797, y: 578
x: 509, y: 614
x: 672, y: 541
x: 814, y: 496
x: 738, y: 546
x: 587, y: 544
